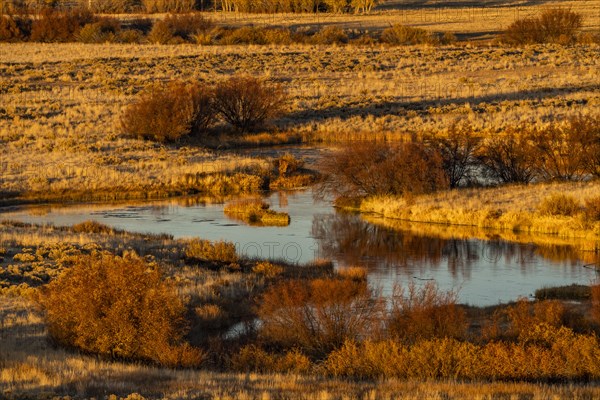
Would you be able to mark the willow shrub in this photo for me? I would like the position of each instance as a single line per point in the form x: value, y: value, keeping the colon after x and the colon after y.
x: 317, y: 316
x: 168, y: 112
x: 118, y: 307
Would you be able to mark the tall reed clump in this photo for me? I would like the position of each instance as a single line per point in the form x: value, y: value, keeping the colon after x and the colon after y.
x: 118, y: 307
x: 290, y: 173
x: 559, y: 204
x: 168, y: 112
x: 205, y: 250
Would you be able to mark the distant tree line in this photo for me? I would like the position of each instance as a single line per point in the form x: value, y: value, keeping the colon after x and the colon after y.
x: 152, y: 6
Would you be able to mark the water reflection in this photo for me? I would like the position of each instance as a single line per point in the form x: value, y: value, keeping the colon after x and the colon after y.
x: 487, y: 266
x: 350, y: 240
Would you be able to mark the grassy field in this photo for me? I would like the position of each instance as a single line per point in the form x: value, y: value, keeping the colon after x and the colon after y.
x: 60, y: 104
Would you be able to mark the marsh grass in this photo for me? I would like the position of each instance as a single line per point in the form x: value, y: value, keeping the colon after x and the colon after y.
x: 513, y: 208
x: 256, y: 212
x: 570, y: 292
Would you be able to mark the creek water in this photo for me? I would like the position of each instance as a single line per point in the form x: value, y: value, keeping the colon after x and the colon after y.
x: 485, y: 272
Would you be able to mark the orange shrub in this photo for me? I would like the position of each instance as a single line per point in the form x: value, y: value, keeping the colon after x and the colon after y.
x: 423, y: 313
x: 524, y: 315
x: 59, y: 26
x: 553, y: 25
x: 370, y: 168
x: 319, y: 315
x: 14, y: 28
x: 168, y: 112
x: 119, y: 307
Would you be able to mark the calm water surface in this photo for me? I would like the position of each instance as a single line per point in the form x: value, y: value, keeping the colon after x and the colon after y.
x: 484, y: 272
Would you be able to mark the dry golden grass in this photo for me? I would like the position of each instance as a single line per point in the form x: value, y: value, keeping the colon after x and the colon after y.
x: 60, y: 104
x: 509, y: 208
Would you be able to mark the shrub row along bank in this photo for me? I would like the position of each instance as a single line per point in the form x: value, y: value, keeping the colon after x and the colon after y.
x: 425, y: 335
x: 558, y: 152
x: 85, y: 27
x: 463, y: 157
x: 246, y: 6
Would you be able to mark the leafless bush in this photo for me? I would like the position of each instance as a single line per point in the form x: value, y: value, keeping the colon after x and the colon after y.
x: 246, y: 102
x: 179, y: 28
x: 553, y: 25
x: 510, y: 157
x: 458, y: 149
x: 14, y: 28
x: 318, y: 315
x: 370, y: 168
x: 168, y: 112
x: 568, y: 152
x: 425, y: 313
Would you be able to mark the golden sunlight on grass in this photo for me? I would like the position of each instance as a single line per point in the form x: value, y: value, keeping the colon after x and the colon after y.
x: 512, y: 208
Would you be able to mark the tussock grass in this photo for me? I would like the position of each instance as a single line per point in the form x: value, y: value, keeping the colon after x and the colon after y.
x: 256, y: 212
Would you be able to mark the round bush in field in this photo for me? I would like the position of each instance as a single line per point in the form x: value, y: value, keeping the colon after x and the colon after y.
x: 168, y: 112
x: 247, y: 102
x: 119, y: 307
